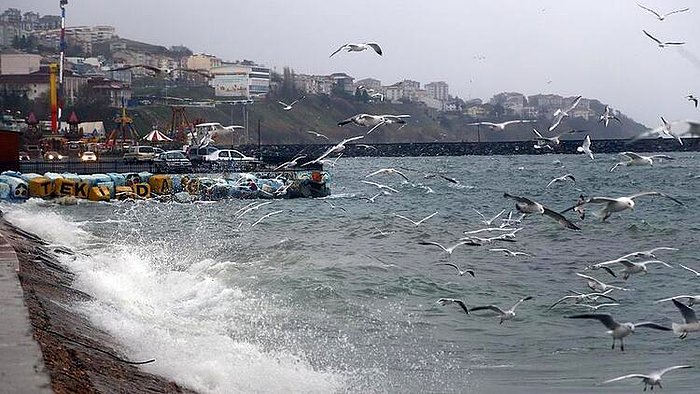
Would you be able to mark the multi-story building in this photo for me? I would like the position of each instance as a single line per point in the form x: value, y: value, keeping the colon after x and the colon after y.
x: 404, y: 90
x: 19, y: 63
x: 370, y: 83
x: 438, y: 90
x: 240, y: 80
x: 313, y: 84
x: 12, y: 16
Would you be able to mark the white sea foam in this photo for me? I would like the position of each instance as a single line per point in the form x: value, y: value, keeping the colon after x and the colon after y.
x: 182, y: 318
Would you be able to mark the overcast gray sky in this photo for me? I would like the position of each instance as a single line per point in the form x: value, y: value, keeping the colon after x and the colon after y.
x: 594, y: 48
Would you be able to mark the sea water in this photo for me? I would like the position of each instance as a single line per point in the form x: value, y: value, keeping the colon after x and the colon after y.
x: 339, y: 296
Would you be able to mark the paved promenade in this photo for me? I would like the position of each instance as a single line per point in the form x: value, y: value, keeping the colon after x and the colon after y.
x: 21, y: 363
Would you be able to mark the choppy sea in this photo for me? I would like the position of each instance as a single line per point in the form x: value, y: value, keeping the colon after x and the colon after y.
x: 337, y: 294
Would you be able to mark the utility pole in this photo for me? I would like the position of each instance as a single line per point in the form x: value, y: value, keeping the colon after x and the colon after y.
x: 259, y: 141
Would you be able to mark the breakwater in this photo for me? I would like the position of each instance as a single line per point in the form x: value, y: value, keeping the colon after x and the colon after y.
x: 280, y: 153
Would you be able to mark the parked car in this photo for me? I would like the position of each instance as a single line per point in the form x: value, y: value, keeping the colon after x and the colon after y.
x: 196, y: 155
x: 52, y: 155
x: 139, y: 154
x: 88, y: 156
x: 233, y: 159
x: 172, y: 161
x: 24, y: 156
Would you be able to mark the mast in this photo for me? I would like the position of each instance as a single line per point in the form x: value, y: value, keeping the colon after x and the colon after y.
x: 62, y: 4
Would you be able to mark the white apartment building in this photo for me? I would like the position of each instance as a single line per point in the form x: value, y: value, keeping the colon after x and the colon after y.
x: 438, y: 90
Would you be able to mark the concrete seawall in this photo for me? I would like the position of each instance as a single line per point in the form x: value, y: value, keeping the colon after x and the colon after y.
x: 77, y: 357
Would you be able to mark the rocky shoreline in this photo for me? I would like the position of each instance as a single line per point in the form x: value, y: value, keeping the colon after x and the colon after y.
x: 78, y: 357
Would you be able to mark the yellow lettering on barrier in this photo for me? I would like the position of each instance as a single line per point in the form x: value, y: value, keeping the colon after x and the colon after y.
x: 99, y: 193
x: 142, y: 190
x: 161, y: 184
x: 40, y: 187
x: 64, y: 187
x: 82, y: 189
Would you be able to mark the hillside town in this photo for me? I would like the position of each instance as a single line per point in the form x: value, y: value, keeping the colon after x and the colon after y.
x: 97, y: 59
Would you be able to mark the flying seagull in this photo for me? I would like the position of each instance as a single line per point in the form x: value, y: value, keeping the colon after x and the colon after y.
x: 692, y: 299
x: 634, y: 268
x: 618, y: 330
x: 488, y: 222
x: 388, y: 171
x: 449, y: 250
x: 607, y: 115
x: 288, y: 107
x: 550, y: 142
x: 635, y: 159
x: 560, y: 114
x: 660, y: 16
x: 374, y: 121
x: 619, y: 204
x: 691, y: 321
x: 586, y: 147
x: 266, y: 216
x: 130, y: 66
x: 447, y: 301
x: 562, y: 178
x: 380, y: 186
x: 339, y: 147
x: 651, y: 379
x: 500, y: 126
x: 292, y: 163
x: 527, y: 206
x: 649, y: 253
x: 504, y: 315
x: 459, y: 270
x: 665, y: 129
x: 660, y: 43
x: 508, y: 252
x: 581, y: 297
x: 418, y: 222
x: 597, y: 285
x: 696, y: 273
x: 692, y: 98
x: 359, y: 48
x: 317, y: 134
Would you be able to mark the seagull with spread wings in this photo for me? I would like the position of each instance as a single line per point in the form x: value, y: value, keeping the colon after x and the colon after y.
x: 651, y: 379
x: 418, y: 223
x: 317, y: 134
x: 460, y: 272
x: 388, y: 171
x: 661, y: 16
x: 618, y: 204
x: 660, y: 43
x: 562, y: 178
x: 504, y: 315
x: 560, y: 114
x: 607, y: 115
x: 586, y: 147
x: 690, y: 324
x: 619, y: 330
x: 501, y: 126
x: 359, y: 48
x: 288, y: 107
x: 374, y: 121
x: 527, y: 206
x: 635, y: 159
x: 339, y: 147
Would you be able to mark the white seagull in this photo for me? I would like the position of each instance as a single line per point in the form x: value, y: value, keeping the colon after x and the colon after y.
x: 374, y: 197
x: 509, y: 252
x: 691, y: 321
x: 388, y: 171
x: 598, y: 306
x: 562, y: 178
x: 635, y: 268
x: 582, y: 298
x: 549, y: 142
x: 380, y: 186
x: 501, y: 126
x: 665, y: 129
x: 317, y: 134
x: 586, y: 147
x: 619, y: 204
x: 488, y: 222
x: 597, y: 285
x: 649, y: 253
x: 696, y: 273
x: 661, y: 16
x: 504, y: 315
x: 618, y: 330
x: 266, y: 216
x: 418, y: 222
x: 359, y: 48
x: 447, y: 301
x: 459, y: 270
x: 374, y: 121
x: 339, y: 147
x: 527, y: 206
x: 651, y: 379
x: 660, y: 43
x: 451, y: 248
x: 288, y: 107
x: 635, y: 159
x: 560, y: 114
x: 692, y: 299
x: 292, y: 163
x: 607, y: 115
